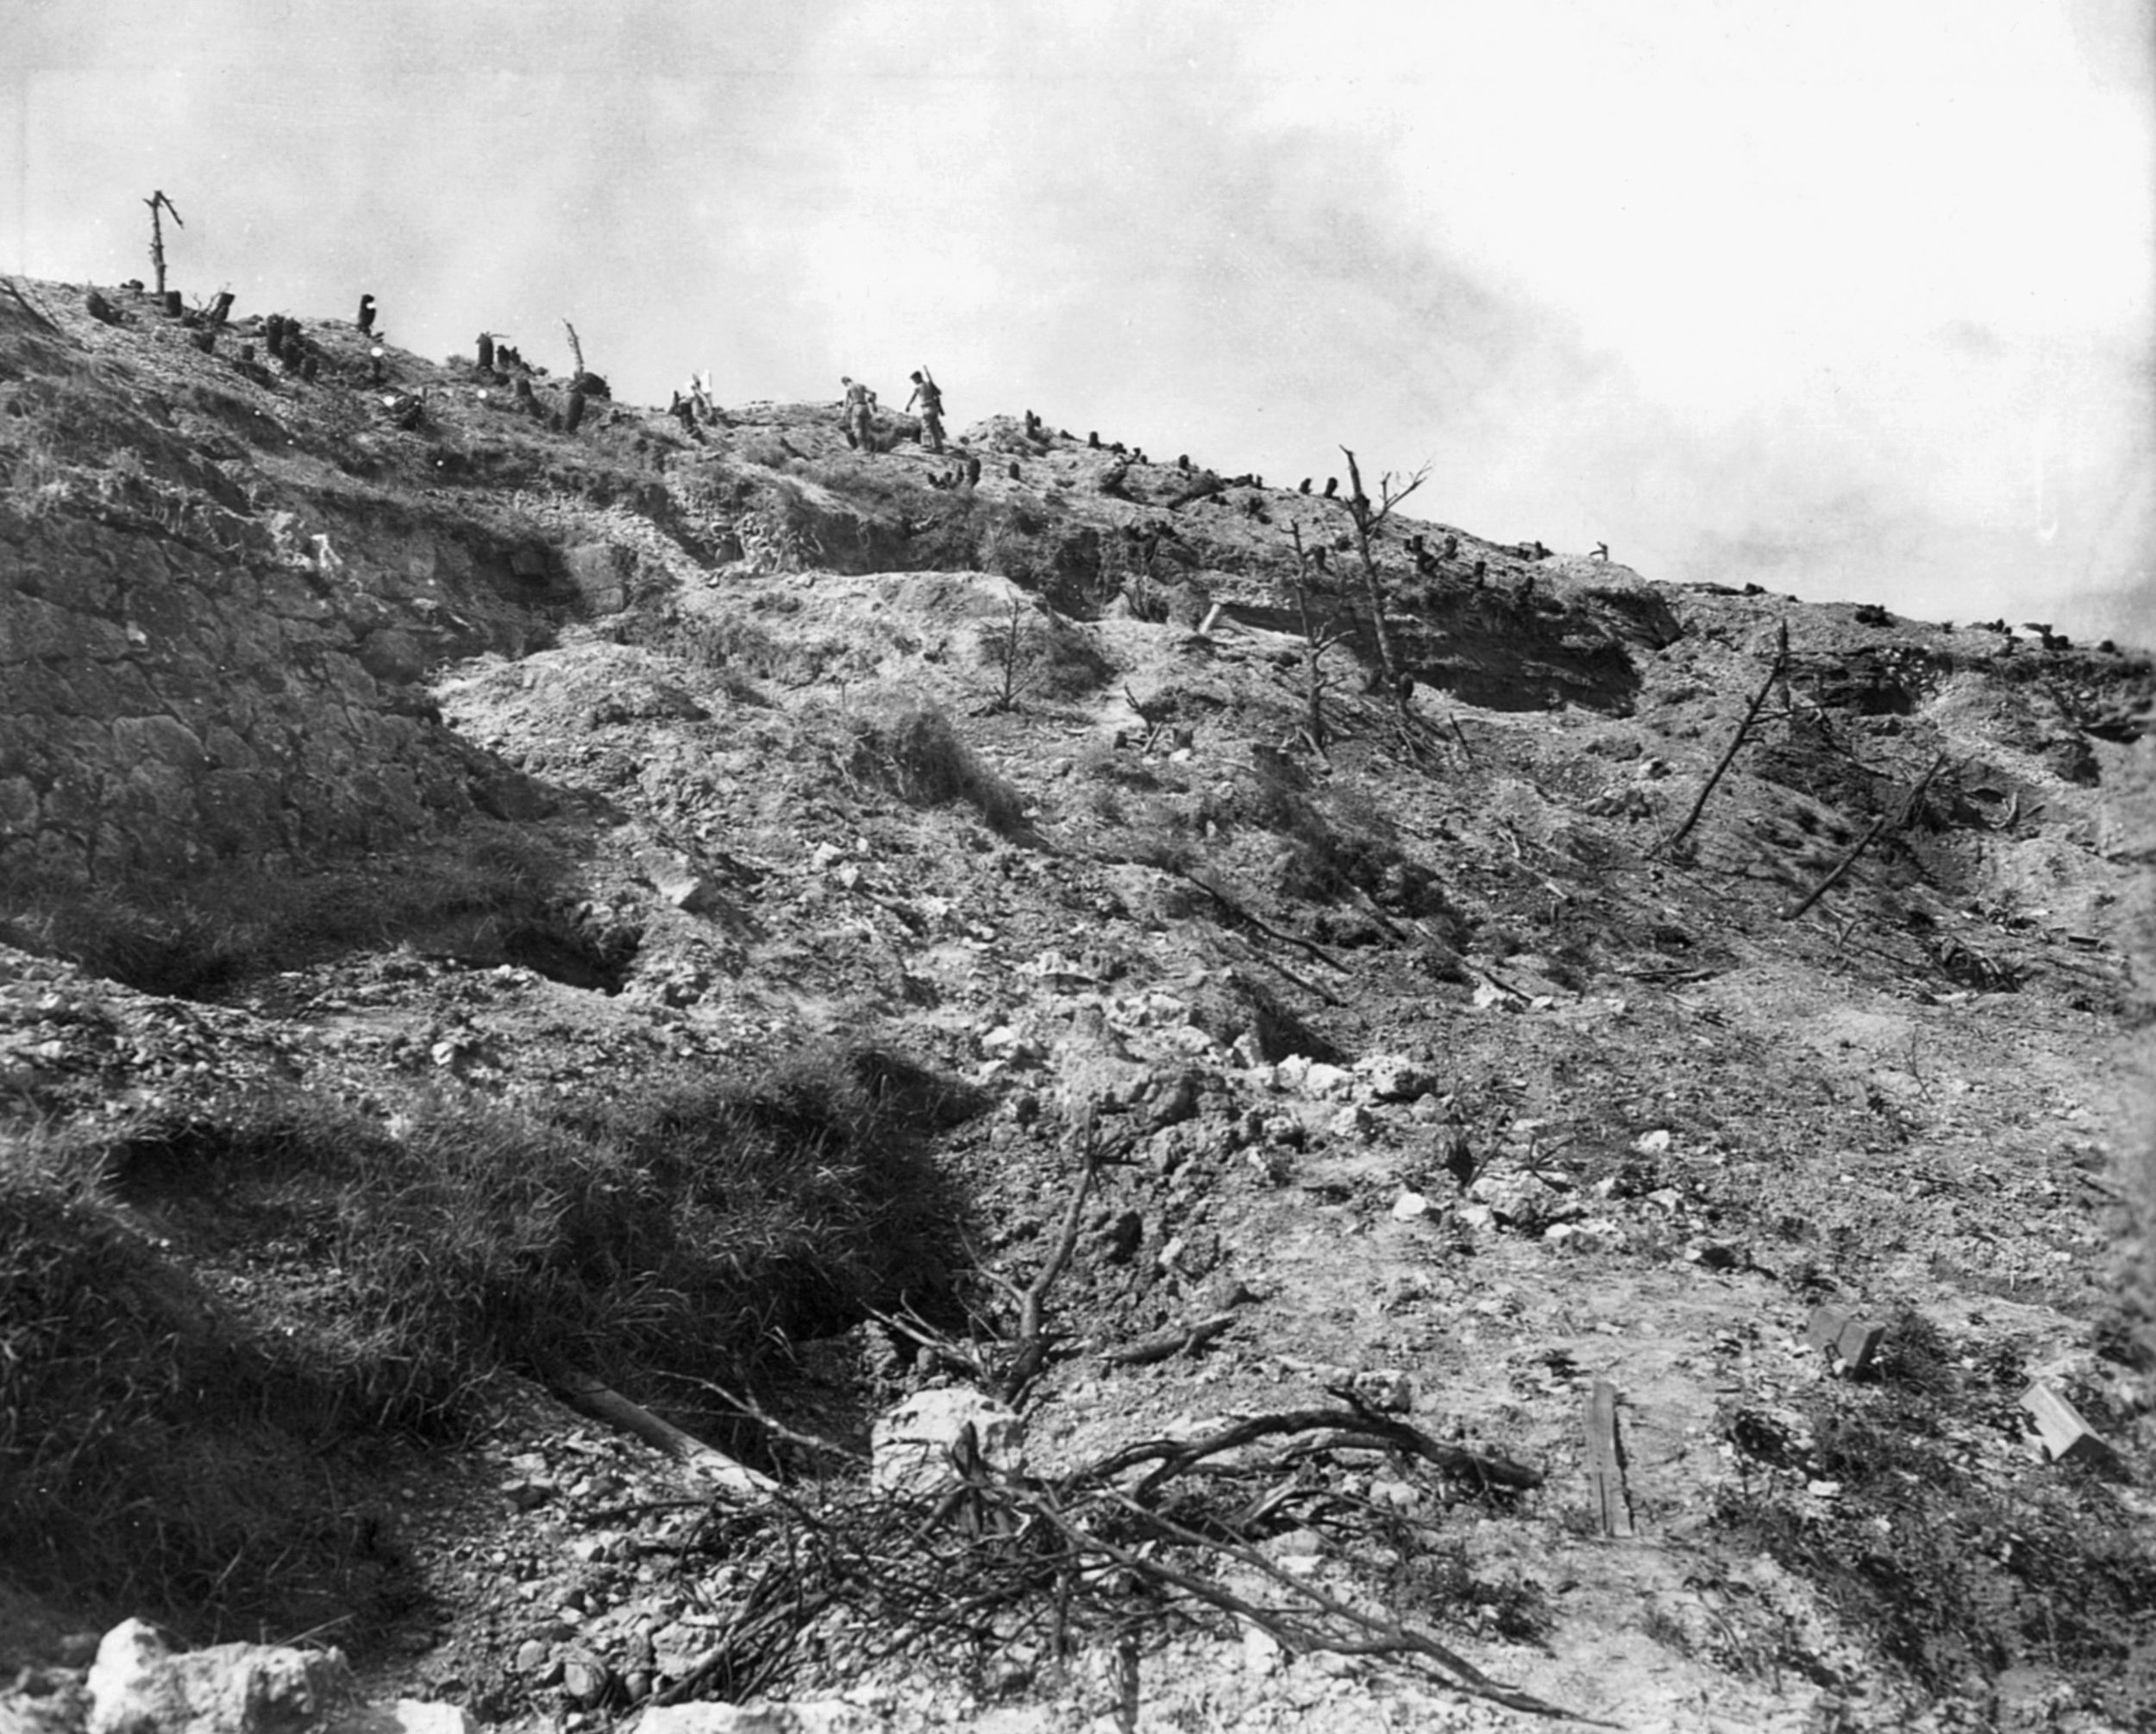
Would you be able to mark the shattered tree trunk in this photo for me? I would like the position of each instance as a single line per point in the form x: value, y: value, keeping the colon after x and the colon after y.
x: 158, y: 204
x: 1359, y: 510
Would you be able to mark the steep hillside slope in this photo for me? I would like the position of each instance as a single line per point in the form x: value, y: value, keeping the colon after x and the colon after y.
x: 488, y: 901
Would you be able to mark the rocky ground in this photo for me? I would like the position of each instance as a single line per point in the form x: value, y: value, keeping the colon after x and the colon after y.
x: 1423, y: 1065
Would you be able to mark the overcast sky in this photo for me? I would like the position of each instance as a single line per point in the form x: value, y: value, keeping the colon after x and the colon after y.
x: 1849, y: 297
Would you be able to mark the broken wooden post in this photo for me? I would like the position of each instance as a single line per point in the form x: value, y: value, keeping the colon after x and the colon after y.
x: 2065, y: 1436
x: 1832, y: 1331
x: 1605, y: 1461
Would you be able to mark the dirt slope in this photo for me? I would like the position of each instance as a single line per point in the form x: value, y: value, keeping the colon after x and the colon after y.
x: 803, y: 749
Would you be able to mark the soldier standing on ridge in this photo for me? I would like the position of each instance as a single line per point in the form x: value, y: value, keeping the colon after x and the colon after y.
x: 932, y: 400
x: 860, y: 428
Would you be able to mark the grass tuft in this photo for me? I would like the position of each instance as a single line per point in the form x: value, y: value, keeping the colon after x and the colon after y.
x: 169, y: 1409
x: 490, y: 890
x: 910, y: 748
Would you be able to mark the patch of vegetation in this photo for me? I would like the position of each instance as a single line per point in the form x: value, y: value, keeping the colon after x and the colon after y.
x: 493, y: 887
x: 1958, y: 1578
x: 323, y: 1276
x: 1340, y: 841
x: 911, y: 748
x: 1034, y: 652
x: 732, y: 646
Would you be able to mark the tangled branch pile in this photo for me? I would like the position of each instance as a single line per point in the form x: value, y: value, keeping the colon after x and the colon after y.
x: 1005, y: 1568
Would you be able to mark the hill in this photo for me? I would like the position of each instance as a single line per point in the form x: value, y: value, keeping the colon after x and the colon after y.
x: 495, y: 906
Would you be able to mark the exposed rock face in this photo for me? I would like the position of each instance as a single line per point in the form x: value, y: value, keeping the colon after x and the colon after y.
x: 213, y: 639
x: 166, y: 707
x: 140, y: 1685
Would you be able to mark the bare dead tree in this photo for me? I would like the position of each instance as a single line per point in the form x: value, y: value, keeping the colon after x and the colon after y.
x: 1319, y: 636
x: 1013, y: 646
x: 159, y: 204
x: 1368, y: 518
x: 575, y: 348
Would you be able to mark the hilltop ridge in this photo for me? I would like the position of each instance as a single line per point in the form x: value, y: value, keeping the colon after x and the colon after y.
x: 387, y: 770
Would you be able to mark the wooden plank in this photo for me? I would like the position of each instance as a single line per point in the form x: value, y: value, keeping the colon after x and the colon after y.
x: 1858, y: 1343
x: 1605, y: 1461
x: 2059, y: 1425
x: 1832, y: 1331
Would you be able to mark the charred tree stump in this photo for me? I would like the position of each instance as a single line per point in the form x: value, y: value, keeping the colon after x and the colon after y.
x: 487, y: 351
x: 574, y: 414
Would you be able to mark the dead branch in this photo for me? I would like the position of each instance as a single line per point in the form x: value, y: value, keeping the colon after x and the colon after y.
x: 1736, y: 741
x: 597, y: 1399
x: 575, y: 349
x: 1030, y: 1357
x: 1174, y: 1456
x: 776, y: 1428
x: 1165, y: 1345
x: 1240, y: 914
x: 1376, y: 1636
x: 1903, y: 813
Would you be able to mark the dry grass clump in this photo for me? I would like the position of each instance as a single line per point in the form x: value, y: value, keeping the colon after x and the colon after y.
x: 326, y: 1276
x: 911, y: 748
x: 193, y: 935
